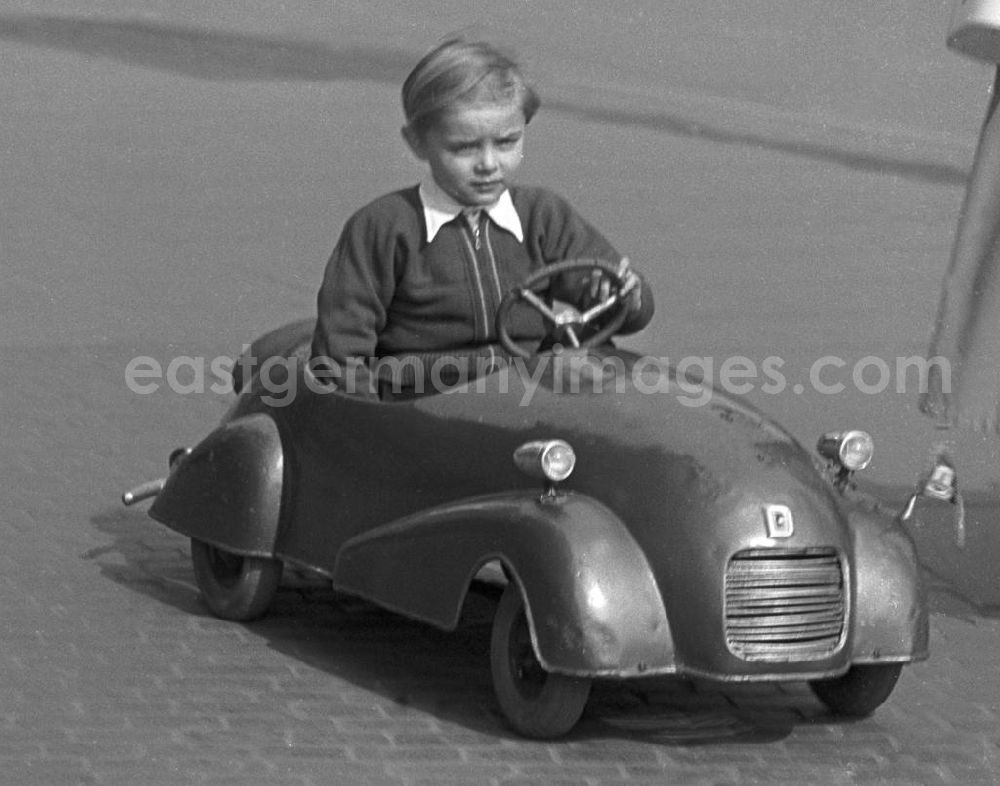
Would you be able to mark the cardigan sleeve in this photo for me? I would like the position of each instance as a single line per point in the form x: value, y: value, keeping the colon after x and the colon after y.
x: 358, y: 285
x: 557, y: 232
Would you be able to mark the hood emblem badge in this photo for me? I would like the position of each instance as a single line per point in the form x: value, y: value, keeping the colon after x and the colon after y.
x: 779, y: 521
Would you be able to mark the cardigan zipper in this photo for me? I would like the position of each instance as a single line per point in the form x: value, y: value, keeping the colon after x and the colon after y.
x: 493, y: 262
x: 477, y: 277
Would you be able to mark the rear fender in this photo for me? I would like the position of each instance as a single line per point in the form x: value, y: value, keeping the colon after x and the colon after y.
x: 890, y: 619
x: 592, y: 600
x: 227, y: 490
x: 281, y: 342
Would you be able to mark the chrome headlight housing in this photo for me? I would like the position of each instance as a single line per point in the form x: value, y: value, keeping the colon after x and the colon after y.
x: 851, y: 450
x: 549, y: 459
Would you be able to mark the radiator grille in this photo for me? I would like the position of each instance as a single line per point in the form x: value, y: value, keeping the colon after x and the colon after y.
x: 784, y: 605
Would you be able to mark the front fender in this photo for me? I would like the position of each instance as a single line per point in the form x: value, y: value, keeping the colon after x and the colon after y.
x: 890, y: 620
x: 593, y: 604
x: 227, y: 491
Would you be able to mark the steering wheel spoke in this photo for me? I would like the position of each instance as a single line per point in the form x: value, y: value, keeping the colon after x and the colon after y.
x: 591, y: 314
x: 538, y: 304
x: 614, y: 305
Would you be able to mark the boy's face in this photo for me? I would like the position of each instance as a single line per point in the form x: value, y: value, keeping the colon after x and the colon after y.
x: 473, y: 151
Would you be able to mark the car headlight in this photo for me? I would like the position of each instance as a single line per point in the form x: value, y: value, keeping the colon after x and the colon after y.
x: 550, y: 459
x: 852, y: 450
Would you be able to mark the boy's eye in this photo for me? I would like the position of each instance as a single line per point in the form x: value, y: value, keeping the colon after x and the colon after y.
x: 508, y: 142
x: 468, y: 147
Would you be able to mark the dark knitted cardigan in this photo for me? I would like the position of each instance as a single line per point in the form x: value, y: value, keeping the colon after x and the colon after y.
x: 386, y: 290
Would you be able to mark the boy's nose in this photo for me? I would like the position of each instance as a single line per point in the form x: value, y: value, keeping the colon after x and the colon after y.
x: 487, y: 160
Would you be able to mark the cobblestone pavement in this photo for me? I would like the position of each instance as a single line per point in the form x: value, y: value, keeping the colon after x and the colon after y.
x: 113, y: 673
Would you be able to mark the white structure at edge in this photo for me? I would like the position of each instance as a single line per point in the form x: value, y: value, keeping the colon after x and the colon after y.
x: 975, y: 29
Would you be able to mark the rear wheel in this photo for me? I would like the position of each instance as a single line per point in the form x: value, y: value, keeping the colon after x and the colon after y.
x: 233, y: 586
x: 535, y: 702
x: 859, y: 692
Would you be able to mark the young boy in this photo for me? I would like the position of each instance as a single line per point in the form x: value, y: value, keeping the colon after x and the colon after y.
x: 423, y: 269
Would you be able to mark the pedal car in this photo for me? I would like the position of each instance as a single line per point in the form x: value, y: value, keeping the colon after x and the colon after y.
x: 636, y: 534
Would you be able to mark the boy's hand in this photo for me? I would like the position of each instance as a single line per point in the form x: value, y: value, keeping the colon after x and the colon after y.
x: 631, y: 291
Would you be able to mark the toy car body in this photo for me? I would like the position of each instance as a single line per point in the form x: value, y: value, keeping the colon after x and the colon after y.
x: 690, y: 540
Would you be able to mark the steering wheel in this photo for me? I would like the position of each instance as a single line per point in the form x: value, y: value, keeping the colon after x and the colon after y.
x: 570, y: 322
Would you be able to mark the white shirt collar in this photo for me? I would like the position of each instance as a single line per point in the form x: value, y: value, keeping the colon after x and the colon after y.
x: 439, y: 209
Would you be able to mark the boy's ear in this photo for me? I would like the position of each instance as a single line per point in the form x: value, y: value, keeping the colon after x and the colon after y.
x: 414, y: 142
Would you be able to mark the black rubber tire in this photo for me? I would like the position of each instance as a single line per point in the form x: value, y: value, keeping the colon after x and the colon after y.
x: 234, y: 587
x: 536, y: 703
x: 859, y: 692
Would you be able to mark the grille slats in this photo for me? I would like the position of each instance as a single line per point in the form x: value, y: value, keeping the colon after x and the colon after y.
x: 774, y: 622
x: 780, y: 592
x: 783, y: 604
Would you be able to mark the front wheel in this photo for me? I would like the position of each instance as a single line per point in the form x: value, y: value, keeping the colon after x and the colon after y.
x: 233, y: 586
x: 535, y: 702
x: 859, y: 692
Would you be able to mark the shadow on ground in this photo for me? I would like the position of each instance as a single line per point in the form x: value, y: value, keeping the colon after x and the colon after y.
x: 206, y: 54
x: 216, y: 55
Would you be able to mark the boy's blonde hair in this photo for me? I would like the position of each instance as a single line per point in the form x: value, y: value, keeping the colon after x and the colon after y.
x: 463, y: 71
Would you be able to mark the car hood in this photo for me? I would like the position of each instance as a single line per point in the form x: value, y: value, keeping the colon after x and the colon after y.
x: 641, y: 449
